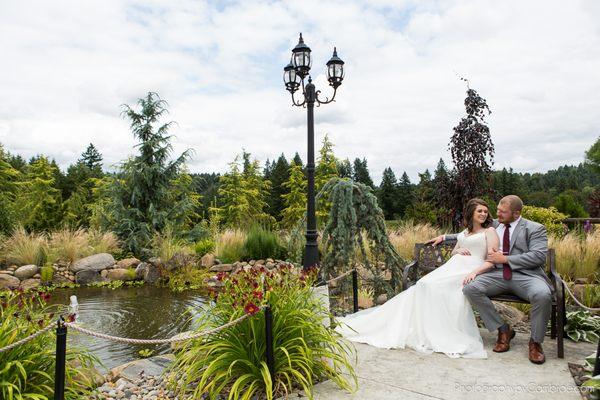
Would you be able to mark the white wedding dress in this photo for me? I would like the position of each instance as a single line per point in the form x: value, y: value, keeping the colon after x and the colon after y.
x: 431, y: 316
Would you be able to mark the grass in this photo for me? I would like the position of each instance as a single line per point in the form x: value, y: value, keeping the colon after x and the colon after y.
x: 166, y: 245
x: 577, y: 256
x: 69, y: 245
x: 22, y: 248
x: 230, y: 245
x: 102, y: 242
x: 408, y: 233
x: 262, y: 243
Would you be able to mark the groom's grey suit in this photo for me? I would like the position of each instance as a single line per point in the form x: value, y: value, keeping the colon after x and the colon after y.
x: 527, y: 258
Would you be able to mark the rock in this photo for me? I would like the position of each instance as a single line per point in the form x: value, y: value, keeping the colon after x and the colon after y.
x: 26, y: 271
x: 382, y: 298
x: 37, y: 276
x: 270, y: 260
x: 140, y: 270
x: 221, y: 268
x: 58, y: 278
x: 157, y: 262
x: 12, y: 267
x: 86, y: 277
x: 104, y: 273
x: 207, y: 260
x: 30, y: 283
x: 511, y: 315
x: 270, y: 265
x: 151, y: 273
x: 217, y: 261
x: 120, y: 274
x: 149, y: 366
x: 581, y: 281
x: 97, y: 262
x: 128, y: 263
x: 260, y: 261
x: 9, y: 282
x: 179, y: 260
x: 7, y: 272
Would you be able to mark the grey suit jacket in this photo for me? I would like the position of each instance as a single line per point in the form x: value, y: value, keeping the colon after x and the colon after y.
x: 528, y: 249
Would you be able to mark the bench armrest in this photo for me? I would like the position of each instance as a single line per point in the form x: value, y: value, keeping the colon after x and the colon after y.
x: 406, y: 272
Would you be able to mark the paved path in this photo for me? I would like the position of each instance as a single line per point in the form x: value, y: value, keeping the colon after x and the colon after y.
x: 406, y: 374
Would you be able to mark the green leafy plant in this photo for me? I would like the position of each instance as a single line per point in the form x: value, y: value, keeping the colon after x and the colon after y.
x: 204, y: 246
x: 145, y: 353
x: 186, y: 277
x: 26, y: 371
x: 262, y: 243
x: 549, y: 217
x: 47, y: 273
x: 582, y: 325
x: 233, y: 360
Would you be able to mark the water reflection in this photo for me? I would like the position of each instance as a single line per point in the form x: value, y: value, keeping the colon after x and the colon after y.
x: 140, y: 312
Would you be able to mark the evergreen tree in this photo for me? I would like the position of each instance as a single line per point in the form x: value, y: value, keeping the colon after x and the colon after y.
x: 388, y: 194
x: 592, y: 156
x: 268, y: 169
x: 294, y: 200
x: 8, y: 181
x: 361, y: 172
x: 345, y: 169
x: 405, y: 194
x: 325, y: 170
x: 145, y: 196
x: 280, y: 173
x: 207, y: 186
x: 422, y: 208
x: 472, y: 154
x: 566, y: 204
x: 17, y: 162
x: 92, y: 159
x: 297, y: 160
x: 38, y: 201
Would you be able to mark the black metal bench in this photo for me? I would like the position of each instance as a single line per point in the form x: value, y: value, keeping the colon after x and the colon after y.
x: 427, y: 258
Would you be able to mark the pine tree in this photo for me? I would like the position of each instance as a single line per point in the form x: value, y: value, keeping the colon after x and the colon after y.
x: 295, y: 199
x: 298, y: 160
x: 326, y: 169
x: 280, y: 173
x: 345, y: 169
x: 8, y: 182
x: 143, y: 196
x: 422, y: 208
x: 388, y: 194
x: 92, y: 159
x: 38, y: 201
x: 405, y: 194
x: 361, y: 172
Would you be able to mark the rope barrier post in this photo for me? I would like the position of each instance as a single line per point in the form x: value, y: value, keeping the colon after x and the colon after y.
x: 61, y: 358
x: 269, y: 340
x: 355, y: 289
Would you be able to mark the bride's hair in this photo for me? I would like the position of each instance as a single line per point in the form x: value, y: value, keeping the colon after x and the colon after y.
x: 470, y: 211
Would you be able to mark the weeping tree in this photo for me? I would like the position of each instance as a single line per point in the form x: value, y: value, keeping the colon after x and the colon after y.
x: 148, y: 193
x: 472, y: 153
x: 355, y: 234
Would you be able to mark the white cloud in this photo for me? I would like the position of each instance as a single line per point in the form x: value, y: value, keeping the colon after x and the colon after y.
x: 68, y: 66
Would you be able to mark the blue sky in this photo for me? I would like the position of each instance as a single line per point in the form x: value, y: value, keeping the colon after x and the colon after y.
x: 69, y: 65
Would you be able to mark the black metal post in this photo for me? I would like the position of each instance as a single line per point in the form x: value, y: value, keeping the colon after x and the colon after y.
x: 269, y: 340
x: 311, y: 256
x: 597, y: 365
x: 355, y: 289
x: 61, y: 358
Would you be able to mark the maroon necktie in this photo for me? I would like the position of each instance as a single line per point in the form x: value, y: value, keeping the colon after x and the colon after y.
x: 506, y: 271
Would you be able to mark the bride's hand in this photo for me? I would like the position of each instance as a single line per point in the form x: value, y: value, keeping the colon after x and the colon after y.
x: 462, y: 251
x: 469, y: 278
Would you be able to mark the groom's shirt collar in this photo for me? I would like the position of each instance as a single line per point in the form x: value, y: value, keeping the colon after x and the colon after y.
x: 515, y: 222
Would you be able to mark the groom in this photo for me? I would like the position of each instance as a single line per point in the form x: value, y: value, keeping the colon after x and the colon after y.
x: 519, y: 269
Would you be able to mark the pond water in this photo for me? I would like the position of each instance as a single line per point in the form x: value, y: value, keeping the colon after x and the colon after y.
x: 145, y: 312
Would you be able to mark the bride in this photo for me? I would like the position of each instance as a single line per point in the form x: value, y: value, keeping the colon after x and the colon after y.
x: 434, y: 315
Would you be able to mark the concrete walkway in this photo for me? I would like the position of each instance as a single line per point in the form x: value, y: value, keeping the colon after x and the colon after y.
x: 406, y: 374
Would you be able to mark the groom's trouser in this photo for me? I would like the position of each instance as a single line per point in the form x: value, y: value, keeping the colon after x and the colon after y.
x: 529, y: 288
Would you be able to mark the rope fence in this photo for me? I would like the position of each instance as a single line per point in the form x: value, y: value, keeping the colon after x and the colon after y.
x: 27, y: 339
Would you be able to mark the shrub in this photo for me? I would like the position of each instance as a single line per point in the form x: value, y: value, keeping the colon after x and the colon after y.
x: 582, y: 325
x: 549, y: 217
x: 204, y: 246
x: 24, y: 248
x: 262, y: 243
x: 305, y: 350
x: 131, y: 275
x: 27, y: 371
x: 69, y: 245
x: 230, y: 246
x: 102, y: 242
x: 47, y: 273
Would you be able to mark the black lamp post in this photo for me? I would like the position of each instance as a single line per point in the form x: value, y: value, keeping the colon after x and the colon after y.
x: 293, y: 77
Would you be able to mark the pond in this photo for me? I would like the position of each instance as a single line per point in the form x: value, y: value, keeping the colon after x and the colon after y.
x: 145, y: 312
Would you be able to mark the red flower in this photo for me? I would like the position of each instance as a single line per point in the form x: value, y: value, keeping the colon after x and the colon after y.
x: 258, y: 294
x: 251, y: 308
x: 70, y: 317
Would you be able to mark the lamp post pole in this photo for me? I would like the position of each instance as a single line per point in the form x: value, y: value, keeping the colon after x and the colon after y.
x: 293, y: 77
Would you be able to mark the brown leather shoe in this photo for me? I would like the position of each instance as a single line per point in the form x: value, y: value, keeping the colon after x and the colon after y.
x: 504, y: 338
x: 536, y: 353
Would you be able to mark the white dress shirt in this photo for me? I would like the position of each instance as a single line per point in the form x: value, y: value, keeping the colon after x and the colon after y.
x: 500, y: 230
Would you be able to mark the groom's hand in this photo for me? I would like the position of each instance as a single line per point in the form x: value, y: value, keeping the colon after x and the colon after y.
x: 496, y: 257
x: 436, y: 240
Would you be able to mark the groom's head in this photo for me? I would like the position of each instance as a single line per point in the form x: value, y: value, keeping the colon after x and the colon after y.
x: 509, y: 209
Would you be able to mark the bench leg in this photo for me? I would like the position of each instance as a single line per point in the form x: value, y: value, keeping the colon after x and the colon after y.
x: 553, y: 323
x: 562, y: 319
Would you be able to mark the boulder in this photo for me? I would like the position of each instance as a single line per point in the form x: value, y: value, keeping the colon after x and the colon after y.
x: 207, y: 260
x: 86, y: 277
x: 104, y: 273
x: 270, y: 265
x: 7, y: 272
x: 180, y: 260
x: 221, y: 268
x: 96, y: 262
x: 26, y: 271
x: 9, y: 282
x: 58, y: 279
x: 510, y: 314
x: 128, y: 263
x: 382, y: 298
x: 120, y: 274
x: 157, y: 262
x: 30, y: 284
x: 151, y: 274
x: 140, y: 270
